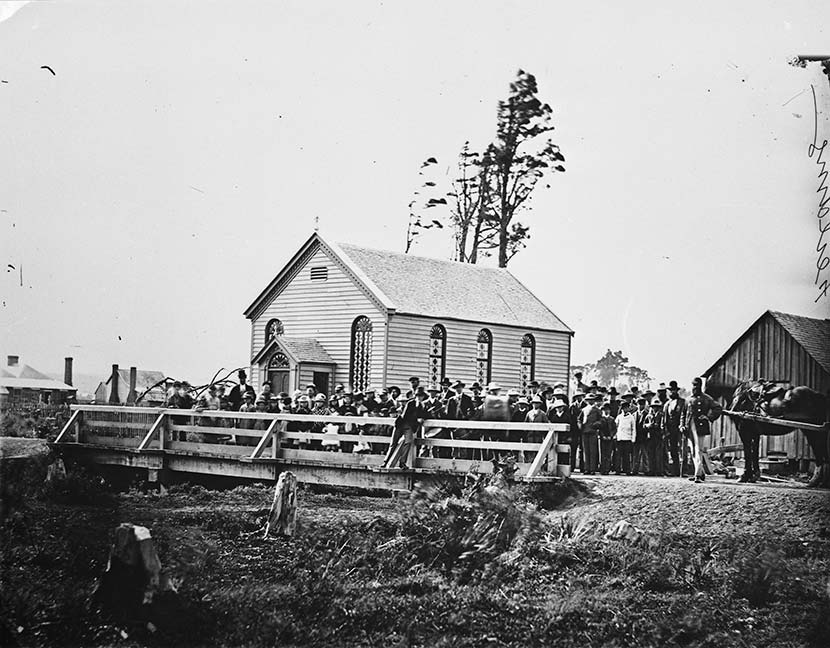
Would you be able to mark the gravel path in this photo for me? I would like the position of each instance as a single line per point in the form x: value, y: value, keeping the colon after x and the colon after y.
x: 716, y: 507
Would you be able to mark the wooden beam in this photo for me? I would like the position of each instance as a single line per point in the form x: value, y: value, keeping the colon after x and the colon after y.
x: 541, y: 455
x: 264, y: 440
x: 484, y: 445
x: 76, y: 415
x: 221, y: 431
x: 153, y: 430
x: 494, y: 425
x: 127, y: 425
x: 797, y: 425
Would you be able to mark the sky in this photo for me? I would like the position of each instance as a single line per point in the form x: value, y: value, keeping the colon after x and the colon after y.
x: 181, y: 152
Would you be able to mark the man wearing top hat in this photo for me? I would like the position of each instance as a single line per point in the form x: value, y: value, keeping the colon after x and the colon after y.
x: 446, y: 389
x: 674, y: 414
x: 478, y: 399
x: 235, y: 395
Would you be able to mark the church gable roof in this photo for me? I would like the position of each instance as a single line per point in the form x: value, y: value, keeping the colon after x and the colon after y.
x: 426, y: 287
x: 448, y: 289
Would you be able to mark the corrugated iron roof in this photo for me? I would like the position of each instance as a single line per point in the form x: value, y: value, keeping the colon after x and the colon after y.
x: 812, y: 334
x: 448, y: 289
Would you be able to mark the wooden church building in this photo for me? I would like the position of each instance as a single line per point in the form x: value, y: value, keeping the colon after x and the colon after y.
x: 339, y: 313
x: 778, y: 346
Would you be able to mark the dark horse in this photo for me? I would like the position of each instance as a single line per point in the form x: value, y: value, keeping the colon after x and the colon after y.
x: 777, y: 401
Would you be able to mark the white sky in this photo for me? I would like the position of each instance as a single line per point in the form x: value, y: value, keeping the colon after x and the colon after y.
x: 178, y: 157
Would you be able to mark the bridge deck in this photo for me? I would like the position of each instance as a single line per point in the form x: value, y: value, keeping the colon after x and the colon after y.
x: 317, y: 449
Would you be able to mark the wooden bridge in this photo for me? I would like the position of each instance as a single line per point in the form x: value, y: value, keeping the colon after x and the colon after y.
x: 259, y: 446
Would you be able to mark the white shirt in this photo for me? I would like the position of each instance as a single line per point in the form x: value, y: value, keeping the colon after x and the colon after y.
x: 626, y: 427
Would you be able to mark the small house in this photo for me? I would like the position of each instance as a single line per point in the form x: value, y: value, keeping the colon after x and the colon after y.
x: 148, y: 386
x: 340, y: 313
x: 25, y: 386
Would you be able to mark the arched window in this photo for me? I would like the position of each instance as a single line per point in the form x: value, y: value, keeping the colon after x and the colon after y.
x: 437, y: 353
x: 484, y: 356
x: 527, y: 361
x: 278, y: 361
x: 273, y: 329
x: 360, y: 366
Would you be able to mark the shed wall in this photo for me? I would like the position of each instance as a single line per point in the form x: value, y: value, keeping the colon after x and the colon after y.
x: 767, y: 351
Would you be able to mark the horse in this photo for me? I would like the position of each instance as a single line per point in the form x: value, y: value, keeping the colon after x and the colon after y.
x: 776, y: 400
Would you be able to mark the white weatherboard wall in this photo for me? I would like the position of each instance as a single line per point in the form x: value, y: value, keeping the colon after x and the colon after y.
x: 408, y: 351
x: 324, y: 310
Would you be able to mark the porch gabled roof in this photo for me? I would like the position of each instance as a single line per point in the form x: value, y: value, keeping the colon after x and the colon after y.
x: 297, y: 349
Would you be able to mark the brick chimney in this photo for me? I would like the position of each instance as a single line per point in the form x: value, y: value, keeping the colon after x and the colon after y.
x: 114, y: 400
x: 12, y: 361
x: 67, y: 371
x: 131, y: 395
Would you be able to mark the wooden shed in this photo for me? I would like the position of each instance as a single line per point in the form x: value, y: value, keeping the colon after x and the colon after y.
x: 778, y: 346
x: 340, y: 313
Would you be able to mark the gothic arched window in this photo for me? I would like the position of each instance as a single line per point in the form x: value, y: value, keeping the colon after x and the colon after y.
x: 484, y: 356
x: 273, y: 329
x: 360, y: 366
x: 437, y: 353
x: 527, y: 361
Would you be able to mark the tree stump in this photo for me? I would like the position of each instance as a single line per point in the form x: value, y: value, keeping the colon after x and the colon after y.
x: 133, y: 574
x: 282, y: 519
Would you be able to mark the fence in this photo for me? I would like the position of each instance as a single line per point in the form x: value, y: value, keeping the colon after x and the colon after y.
x: 345, y: 442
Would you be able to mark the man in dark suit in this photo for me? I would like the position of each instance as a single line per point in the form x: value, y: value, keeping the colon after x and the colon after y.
x: 237, y: 391
x: 406, y: 428
x: 460, y: 405
x: 589, y: 424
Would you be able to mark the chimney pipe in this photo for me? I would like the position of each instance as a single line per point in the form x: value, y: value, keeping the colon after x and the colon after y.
x: 114, y: 400
x: 67, y: 371
x: 12, y: 361
x: 131, y: 395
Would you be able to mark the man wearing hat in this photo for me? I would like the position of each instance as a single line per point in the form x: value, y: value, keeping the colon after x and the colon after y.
x: 519, y: 413
x: 446, y: 389
x: 460, y: 406
x: 414, y: 383
x: 558, y: 413
x: 674, y: 414
x: 370, y: 401
x: 589, y: 424
x: 433, y: 405
x: 235, y: 396
x: 641, y: 454
x: 656, y: 447
x: 576, y: 437
x: 407, y: 426
x: 661, y: 394
x: 701, y: 411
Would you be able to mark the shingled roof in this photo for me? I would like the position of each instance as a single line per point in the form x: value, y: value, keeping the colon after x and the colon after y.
x: 812, y: 334
x: 448, y: 289
x: 404, y: 283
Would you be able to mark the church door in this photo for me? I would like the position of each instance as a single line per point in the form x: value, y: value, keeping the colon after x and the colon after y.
x: 278, y: 370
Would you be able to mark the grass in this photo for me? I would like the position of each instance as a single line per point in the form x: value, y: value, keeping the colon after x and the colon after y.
x: 459, y: 565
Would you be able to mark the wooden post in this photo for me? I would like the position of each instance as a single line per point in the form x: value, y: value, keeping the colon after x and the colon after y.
x: 282, y: 519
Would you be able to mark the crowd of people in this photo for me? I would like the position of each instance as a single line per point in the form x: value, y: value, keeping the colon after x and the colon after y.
x: 628, y: 434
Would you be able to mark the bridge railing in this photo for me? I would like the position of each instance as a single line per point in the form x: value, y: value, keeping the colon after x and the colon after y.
x: 369, y: 442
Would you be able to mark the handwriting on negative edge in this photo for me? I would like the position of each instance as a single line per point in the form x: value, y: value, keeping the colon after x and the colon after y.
x: 822, y: 260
